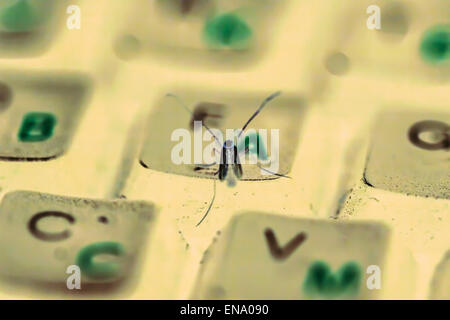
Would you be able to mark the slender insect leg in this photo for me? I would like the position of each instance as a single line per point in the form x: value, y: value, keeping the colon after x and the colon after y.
x: 204, y: 166
x: 210, y: 205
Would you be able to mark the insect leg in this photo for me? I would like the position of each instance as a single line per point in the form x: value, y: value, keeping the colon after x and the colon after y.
x: 199, y: 167
x: 210, y: 205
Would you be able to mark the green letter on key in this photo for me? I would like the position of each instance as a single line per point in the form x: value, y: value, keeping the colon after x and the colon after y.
x: 99, y: 270
x: 19, y: 16
x: 227, y: 30
x: 435, y: 46
x: 37, y: 126
x: 320, y: 281
x: 253, y: 144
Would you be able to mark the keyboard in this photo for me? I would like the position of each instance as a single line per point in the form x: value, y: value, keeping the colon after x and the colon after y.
x: 224, y: 149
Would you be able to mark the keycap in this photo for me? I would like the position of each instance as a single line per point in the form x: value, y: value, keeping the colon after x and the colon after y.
x: 440, y: 285
x: 264, y: 256
x: 394, y: 38
x: 43, y: 234
x: 220, y: 110
x: 409, y: 154
x: 204, y: 32
x: 41, y: 112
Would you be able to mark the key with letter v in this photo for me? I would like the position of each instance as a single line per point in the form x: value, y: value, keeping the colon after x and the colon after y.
x: 257, y: 270
x: 283, y: 253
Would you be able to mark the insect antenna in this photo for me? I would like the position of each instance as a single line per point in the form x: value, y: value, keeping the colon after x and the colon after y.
x: 171, y: 95
x: 263, y: 104
x: 210, y: 205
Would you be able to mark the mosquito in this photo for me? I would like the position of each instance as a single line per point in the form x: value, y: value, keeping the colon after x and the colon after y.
x: 230, y: 168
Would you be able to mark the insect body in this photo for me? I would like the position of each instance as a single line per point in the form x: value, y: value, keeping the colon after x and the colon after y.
x: 230, y: 168
x: 230, y: 158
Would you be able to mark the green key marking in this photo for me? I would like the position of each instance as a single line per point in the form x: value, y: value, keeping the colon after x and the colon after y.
x: 227, y: 30
x: 99, y: 270
x: 435, y: 45
x: 320, y: 281
x: 254, y: 144
x: 37, y: 126
x: 20, y: 16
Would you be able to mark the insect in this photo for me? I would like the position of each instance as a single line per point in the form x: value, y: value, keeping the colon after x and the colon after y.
x: 230, y: 168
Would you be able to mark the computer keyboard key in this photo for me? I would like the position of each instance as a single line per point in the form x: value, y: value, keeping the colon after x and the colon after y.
x: 41, y: 235
x: 270, y: 140
x: 262, y: 256
x: 40, y: 113
x: 202, y: 32
x: 410, y: 154
x: 395, y: 38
